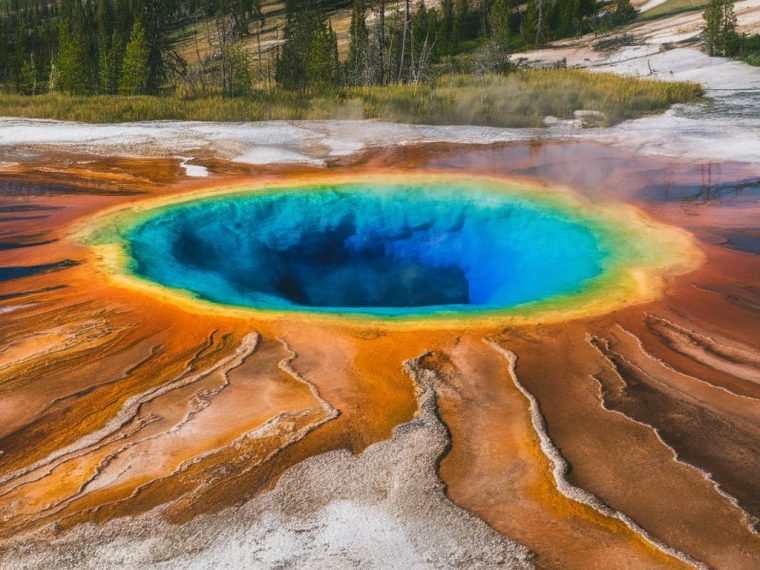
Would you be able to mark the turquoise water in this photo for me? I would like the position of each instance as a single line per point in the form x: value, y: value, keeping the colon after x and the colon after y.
x: 380, y: 250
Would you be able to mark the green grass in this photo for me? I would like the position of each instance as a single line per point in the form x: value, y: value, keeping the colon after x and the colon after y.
x: 671, y: 8
x: 519, y: 99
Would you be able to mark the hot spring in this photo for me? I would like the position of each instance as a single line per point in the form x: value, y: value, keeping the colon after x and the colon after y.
x: 379, y: 249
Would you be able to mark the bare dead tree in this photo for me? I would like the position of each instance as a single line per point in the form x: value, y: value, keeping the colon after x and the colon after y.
x: 403, y: 41
x: 381, y: 41
x: 261, y: 20
x: 419, y: 70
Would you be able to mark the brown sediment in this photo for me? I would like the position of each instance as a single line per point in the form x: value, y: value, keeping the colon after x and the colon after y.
x: 498, y: 469
x: 625, y: 464
x: 561, y: 469
x: 384, y: 506
x: 679, y: 407
x: 728, y: 357
x: 622, y: 438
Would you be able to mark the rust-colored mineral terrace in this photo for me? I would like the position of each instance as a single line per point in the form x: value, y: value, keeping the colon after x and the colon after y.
x: 627, y: 436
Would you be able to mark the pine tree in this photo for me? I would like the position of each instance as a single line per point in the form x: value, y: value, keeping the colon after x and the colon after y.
x: 73, y: 63
x: 302, y: 24
x: 720, y: 26
x: 154, y: 15
x: 461, y: 13
x: 3, y: 49
x: 242, y: 12
x: 356, y: 66
x: 499, y: 21
x: 625, y: 10
x: 322, y: 64
x: 713, y: 15
x: 28, y: 78
x: 236, y: 72
x: 728, y: 29
x: 447, y: 26
x: 576, y: 27
x: 135, y: 69
x: 534, y: 24
x: 109, y: 59
x: 426, y: 27
x: 380, y: 67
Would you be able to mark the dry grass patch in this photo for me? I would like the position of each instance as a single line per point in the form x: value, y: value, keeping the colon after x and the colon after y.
x: 519, y: 99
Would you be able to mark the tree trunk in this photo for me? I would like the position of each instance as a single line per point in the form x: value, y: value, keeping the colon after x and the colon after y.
x: 381, y: 42
x: 403, y: 43
x: 258, y: 45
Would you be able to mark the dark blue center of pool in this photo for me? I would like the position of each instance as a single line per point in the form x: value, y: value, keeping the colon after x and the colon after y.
x: 384, y: 250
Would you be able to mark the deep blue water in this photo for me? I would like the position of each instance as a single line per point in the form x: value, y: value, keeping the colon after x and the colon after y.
x: 385, y: 250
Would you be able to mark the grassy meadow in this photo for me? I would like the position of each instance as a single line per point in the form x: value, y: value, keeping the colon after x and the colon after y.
x: 518, y: 99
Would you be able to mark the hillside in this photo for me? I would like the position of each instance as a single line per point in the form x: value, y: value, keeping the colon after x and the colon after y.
x: 243, y: 61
